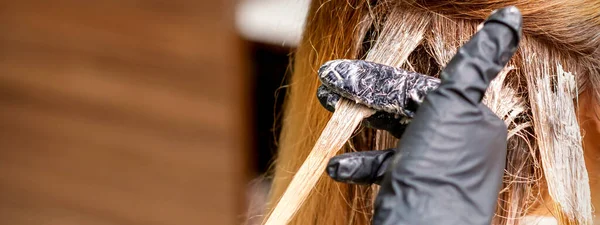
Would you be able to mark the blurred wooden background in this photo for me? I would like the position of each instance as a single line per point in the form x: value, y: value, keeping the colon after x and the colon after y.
x: 127, y: 112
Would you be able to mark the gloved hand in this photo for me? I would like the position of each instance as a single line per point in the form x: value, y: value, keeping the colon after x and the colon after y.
x: 449, y: 164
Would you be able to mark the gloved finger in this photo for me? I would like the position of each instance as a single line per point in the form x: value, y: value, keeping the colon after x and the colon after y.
x: 394, y: 124
x: 378, y: 86
x: 471, y: 70
x: 360, y: 167
x: 328, y: 98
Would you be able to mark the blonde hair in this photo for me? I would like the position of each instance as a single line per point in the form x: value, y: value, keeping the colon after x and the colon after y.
x: 422, y: 35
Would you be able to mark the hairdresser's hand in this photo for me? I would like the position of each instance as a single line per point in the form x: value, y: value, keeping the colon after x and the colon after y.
x: 449, y: 164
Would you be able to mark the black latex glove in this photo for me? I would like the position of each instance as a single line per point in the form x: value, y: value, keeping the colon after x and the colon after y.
x: 449, y: 164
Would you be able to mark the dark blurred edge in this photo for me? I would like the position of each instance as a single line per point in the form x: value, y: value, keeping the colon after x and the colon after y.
x: 269, y: 68
x: 269, y: 71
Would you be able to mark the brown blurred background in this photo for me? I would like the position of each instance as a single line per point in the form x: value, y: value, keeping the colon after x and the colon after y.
x: 135, y: 112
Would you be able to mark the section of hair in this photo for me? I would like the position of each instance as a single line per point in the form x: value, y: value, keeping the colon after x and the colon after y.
x: 558, y: 134
x: 345, y: 119
x: 423, y: 35
x: 334, y: 29
x: 398, y: 39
